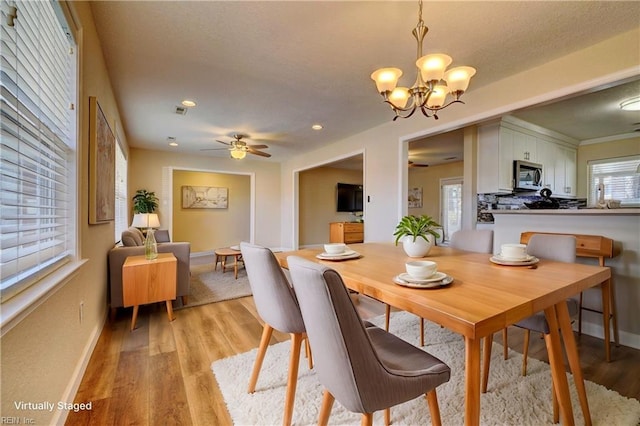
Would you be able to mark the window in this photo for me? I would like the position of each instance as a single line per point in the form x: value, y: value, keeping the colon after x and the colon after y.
x: 122, y: 217
x: 37, y: 149
x: 451, y: 205
x: 618, y: 177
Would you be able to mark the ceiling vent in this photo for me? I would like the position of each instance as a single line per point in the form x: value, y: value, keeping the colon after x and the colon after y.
x: 180, y: 110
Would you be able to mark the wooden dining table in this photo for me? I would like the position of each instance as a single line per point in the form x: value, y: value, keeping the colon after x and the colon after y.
x: 482, y: 299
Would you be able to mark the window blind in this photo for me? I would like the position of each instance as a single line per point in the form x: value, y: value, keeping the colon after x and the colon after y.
x: 36, y: 149
x: 620, y: 178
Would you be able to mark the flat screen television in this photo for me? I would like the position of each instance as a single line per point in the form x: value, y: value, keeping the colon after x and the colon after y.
x: 349, y: 197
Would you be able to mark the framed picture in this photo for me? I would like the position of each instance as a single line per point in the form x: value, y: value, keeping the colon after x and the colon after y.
x: 102, y: 166
x: 205, y: 197
x: 415, y: 198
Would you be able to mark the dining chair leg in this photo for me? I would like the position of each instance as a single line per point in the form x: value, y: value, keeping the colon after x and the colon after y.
x: 421, y: 331
x: 525, y: 351
x: 387, y: 315
x: 486, y: 361
x: 325, y: 408
x: 292, y: 381
x: 505, y: 344
x: 556, y: 407
x: 267, y: 330
x: 367, y: 419
x: 387, y: 416
x: 307, y: 351
x: 434, y: 409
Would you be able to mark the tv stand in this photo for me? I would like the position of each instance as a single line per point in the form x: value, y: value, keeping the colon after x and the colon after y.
x: 346, y: 232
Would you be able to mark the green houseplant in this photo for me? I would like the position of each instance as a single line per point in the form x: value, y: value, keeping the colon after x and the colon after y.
x: 417, y: 234
x: 144, y: 201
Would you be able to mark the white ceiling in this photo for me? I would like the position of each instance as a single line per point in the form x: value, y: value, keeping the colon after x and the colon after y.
x: 271, y: 69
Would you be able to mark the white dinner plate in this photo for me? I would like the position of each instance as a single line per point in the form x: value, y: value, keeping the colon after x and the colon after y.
x: 501, y: 261
x: 528, y: 258
x: 350, y: 254
x: 438, y: 276
x: 435, y: 284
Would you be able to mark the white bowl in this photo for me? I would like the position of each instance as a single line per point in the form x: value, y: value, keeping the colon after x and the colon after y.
x: 421, y: 269
x: 513, y: 251
x: 335, y: 248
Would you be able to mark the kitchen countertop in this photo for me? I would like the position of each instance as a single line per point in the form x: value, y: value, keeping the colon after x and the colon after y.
x: 569, y: 212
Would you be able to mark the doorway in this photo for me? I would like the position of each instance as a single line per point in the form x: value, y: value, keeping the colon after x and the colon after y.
x: 450, y: 206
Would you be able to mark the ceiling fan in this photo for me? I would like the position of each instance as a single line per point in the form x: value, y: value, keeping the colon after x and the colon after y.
x: 412, y: 164
x: 239, y: 148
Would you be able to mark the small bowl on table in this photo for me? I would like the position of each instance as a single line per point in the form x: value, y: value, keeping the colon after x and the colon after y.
x: 335, y: 248
x: 421, y: 269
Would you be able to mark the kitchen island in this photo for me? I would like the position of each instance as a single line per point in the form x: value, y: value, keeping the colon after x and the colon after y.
x: 621, y: 225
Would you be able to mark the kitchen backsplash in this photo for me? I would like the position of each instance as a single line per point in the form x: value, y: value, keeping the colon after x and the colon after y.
x: 488, y: 202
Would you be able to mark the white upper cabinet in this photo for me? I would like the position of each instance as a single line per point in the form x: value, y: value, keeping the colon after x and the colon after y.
x: 502, y: 142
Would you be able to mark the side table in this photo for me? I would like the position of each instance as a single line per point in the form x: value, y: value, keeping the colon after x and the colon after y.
x: 221, y: 256
x: 149, y: 281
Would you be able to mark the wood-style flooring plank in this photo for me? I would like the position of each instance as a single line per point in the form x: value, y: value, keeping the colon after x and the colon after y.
x: 205, y: 400
x: 168, y: 403
x: 130, y: 399
x: 161, y: 334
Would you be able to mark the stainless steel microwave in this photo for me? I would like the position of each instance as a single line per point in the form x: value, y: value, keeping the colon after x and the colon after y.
x: 527, y: 176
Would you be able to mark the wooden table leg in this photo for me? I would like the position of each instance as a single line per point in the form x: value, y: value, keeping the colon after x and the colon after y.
x: 170, y: 310
x: 554, y: 347
x: 574, y: 360
x: 135, y: 316
x: 472, y: 381
x: 235, y: 266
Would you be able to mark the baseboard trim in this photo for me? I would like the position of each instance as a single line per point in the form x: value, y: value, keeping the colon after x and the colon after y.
x: 60, y: 416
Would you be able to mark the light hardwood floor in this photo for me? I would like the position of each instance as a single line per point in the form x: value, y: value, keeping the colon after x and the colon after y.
x: 160, y: 372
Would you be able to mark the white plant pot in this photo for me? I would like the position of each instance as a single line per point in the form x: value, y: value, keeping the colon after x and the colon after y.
x: 417, y: 248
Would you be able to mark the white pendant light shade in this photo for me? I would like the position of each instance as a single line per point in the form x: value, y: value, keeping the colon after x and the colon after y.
x: 432, y: 66
x: 437, y: 96
x: 458, y: 78
x: 386, y: 78
x: 399, y: 97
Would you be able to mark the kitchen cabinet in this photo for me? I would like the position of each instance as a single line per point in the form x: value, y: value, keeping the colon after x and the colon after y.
x: 502, y: 142
x: 565, y: 171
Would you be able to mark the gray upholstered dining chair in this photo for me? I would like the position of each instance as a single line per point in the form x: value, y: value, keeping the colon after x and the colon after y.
x: 561, y: 248
x: 362, y: 366
x: 277, y: 306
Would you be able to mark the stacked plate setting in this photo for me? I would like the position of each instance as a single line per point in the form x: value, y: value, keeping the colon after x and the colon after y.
x: 514, y: 255
x: 337, y: 251
x: 422, y: 274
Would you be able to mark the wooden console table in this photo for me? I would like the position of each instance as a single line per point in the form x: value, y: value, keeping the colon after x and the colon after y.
x: 346, y: 232
x: 149, y: 281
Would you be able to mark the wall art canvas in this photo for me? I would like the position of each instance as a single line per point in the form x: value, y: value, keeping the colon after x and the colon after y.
x: 205, y: 197
x: 415, y: 198
x: 102, y: 166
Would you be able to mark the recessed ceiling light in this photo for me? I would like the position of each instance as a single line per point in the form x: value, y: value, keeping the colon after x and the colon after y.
x: 317, y: 127
x: 188, y: 103
x: 631, y: 104
x: 172, y: 141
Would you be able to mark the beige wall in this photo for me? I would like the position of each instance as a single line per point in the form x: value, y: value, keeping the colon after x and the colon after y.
x: 599, y: 151
x: 147, y: 170
x: 43, y: 355
x: 317, y: 202
x: 208, y: 229
x: 428, y: 178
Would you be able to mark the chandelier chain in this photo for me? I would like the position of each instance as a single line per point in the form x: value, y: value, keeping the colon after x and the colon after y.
x: 420, y: 21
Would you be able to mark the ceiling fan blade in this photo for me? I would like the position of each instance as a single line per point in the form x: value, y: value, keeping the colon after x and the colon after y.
x: 224, y: 143
x: 260, y: 153
x: 214, y: 149
x: 258, y: 146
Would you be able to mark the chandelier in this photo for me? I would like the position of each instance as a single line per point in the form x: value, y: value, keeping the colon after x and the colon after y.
x: 432, y: 85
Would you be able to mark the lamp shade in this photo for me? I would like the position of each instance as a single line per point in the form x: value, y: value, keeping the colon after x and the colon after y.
x: 386, y: 79
x: 437, y: 97
x: 399, y: 97
x: 433, y: 66
x: 238, y: 154
x: 458, y: 78
x: 145, y: 220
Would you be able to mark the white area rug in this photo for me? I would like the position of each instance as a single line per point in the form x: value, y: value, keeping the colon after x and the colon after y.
x: 209, y: 286
x: 510, y: 400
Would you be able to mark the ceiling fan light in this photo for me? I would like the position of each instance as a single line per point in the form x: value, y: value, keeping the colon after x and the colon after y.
x: 437, y: 97
x: 386, y: 79
x: 399, y: 97
x: 458, y: 78
x: 432, y: 66
x: 238, y: 154
x: 631, y: 104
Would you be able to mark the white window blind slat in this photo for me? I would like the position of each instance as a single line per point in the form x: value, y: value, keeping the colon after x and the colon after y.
x: 619, y: 177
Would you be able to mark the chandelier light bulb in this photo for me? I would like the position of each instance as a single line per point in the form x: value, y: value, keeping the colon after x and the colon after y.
x: 438, y: 95
x: 399, y: 97
x: 433, y: 66
x: 386, y: 79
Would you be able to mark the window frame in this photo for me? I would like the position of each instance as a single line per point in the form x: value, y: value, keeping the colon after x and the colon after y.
x: 631, y: 175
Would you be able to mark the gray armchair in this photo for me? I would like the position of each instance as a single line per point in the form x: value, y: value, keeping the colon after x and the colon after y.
x: 133, y: 241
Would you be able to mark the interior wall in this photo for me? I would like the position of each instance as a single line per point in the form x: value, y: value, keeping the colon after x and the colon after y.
x: 208, y: 229
x: 428, y: 178
x: 146, y: 171
x: 598, y: 151
x: 44, y: 356
x: 317, y: 202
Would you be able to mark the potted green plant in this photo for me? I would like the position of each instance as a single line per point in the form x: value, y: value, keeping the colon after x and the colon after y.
x: 145, y: 201
x: 417, y: 234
